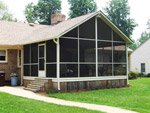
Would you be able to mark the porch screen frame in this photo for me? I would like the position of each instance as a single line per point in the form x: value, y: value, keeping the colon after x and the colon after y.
x: 96, y: 39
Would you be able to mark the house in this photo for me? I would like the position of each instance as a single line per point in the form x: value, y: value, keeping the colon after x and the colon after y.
x: 140, y: 58
x: 86, y: 52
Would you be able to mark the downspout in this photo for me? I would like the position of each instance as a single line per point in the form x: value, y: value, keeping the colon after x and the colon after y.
x: 56, y: 41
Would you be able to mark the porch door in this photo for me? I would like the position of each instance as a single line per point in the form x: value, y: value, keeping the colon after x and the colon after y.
x: 42, y: 65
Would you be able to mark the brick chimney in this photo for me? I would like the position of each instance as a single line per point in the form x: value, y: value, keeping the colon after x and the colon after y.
x: 57, y: 17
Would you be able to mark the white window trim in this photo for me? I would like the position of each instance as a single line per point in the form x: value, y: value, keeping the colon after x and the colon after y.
x: 5, y: 56
x: 18, y: 62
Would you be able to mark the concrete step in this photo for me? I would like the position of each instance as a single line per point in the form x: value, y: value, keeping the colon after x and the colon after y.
x: 32, y: 89
x: 41, y: 79
x: 39, y: 82
x: 35, y: 86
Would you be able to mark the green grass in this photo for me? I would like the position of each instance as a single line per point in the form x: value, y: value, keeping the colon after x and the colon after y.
x: 136, y: 98
x: 14, y: 104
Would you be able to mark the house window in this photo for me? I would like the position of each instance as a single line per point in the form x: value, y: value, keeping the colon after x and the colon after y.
x: 3, y: 56
x: 142, y: 67
x: 19, y: 58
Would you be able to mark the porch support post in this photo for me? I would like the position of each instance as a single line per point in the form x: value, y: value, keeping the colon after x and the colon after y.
x: 127, y: 64
x: 58, y: 61
x: 96, y: 46
x: 112, y: 36
x: 22, y: 68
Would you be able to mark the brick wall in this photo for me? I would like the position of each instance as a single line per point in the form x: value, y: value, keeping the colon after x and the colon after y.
x: 11, y: 65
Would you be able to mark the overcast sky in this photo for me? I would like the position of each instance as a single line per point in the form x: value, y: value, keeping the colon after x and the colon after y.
x: 139, y: 11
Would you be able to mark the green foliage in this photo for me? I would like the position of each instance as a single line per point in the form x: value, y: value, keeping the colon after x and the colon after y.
x: 4, y: 13
x: 30, y: 13
x: 118, y: 11
x: 81, y: 7
x: 148, y: 75
x: 134, y: 45
x: 50, y: 91
x: 42, y: 11
x: 133, y: 75
x: 144, y: 36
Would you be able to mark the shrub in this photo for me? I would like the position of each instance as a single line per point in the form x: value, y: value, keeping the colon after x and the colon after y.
x: 49, y: 91
x: 133, y: 75
x: 148, y: 75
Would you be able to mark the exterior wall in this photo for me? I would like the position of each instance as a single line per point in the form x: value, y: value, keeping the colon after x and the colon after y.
x: 90, y: 85
x: 141, y: 55
x: 129, y: 62
x: 11, y: 65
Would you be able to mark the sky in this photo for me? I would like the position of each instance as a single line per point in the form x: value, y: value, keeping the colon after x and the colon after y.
x: 139, y: 11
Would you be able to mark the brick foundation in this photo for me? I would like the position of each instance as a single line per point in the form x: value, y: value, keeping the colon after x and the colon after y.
x: 90, y: 85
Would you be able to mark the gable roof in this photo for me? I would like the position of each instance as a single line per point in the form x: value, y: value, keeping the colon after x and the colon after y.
x: 13, y: 33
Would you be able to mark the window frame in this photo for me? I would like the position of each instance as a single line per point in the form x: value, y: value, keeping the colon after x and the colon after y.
x: 143, y: 68
x: 6, y: 56
x: 19, y: 58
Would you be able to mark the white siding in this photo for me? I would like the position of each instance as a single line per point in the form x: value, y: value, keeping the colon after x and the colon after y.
x: 141, y: 55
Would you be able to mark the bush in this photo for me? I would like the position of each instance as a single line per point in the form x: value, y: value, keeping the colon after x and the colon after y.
x: 49, y: 91
x: 134, y: 75
x: 148, y: 75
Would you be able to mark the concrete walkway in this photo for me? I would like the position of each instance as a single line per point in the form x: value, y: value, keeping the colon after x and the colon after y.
x: 18, y: 91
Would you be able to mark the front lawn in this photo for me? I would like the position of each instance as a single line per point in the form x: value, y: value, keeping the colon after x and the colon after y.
x: 14, y: 104
x: 136, y: 98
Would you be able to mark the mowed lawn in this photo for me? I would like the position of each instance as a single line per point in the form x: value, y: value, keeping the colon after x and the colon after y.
x: 14, y: 104
x: 136, y: 98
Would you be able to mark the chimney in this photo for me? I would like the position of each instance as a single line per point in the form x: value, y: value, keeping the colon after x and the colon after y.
x: 57, y: 17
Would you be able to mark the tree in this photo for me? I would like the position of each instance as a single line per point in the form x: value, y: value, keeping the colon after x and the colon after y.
x: 118, y: 11
x: 29, y: 13
x: 81, y: 7
x: 4, y: 14
x: 42, y: 11
x: 134, y: 45
x: 144, y: 36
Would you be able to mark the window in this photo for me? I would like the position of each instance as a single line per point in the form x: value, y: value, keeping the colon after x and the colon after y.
x: 19, y: 58
x: 142, y: 67
x: 3, y: 56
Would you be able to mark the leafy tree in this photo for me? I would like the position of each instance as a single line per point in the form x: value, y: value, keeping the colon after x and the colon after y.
x: 4, y: 14
x: 118, y: 11
x: 134, y: 45
x: 144, y: 36
x: 81, y: 7
x: 42, y: 11
x: 29, y: 13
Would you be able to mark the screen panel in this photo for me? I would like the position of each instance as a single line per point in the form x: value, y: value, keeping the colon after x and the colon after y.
x: 87, y: 70
x: 68, y: 50
x: 104, y: 31
x: 50, y: 51
x: 34, y: 70
x: 34, y: 53
x: 120, y: 69
x: 27, y: 54
x: 27, y: 70
x: 119, y: 52
x: 68, y: 70
x: 87, y: 29
x: 104, y: 51
x: 51, y: 70
x: 116, y: 37
x: 105, y: 70
x: 72, y: 33
x: 87, y: 51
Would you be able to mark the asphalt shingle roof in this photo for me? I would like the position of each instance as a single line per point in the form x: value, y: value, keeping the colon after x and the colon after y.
x: 15, y: 33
